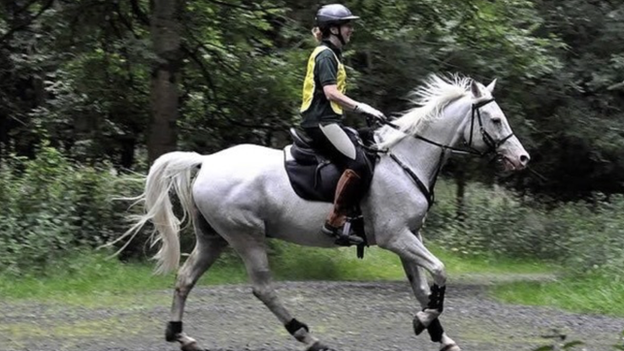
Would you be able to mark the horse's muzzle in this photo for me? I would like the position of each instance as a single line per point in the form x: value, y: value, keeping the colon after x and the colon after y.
x: 507, y: 165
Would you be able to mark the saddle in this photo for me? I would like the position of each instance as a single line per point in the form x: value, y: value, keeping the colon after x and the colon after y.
x: 312, y: 175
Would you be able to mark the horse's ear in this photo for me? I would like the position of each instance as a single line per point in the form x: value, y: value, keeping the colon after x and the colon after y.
x: 475, y: 89
x: 491, y: 86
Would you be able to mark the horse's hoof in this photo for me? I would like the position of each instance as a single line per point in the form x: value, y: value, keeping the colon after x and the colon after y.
x: 450, y: 347
x: 318, y: 346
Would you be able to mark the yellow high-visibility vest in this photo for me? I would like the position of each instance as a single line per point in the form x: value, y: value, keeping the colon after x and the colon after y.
x: 309, y: 85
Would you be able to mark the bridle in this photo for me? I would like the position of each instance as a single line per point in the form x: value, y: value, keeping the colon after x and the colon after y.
x: 489, y: 141
x: 492, y: 144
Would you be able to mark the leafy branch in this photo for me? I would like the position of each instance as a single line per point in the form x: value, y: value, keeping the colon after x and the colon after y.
x: 26, y: 24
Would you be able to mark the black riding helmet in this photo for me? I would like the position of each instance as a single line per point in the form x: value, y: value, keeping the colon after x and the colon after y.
x: 333, y: 15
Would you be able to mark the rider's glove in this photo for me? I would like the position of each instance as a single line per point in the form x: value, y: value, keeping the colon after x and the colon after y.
x: 368, y: 110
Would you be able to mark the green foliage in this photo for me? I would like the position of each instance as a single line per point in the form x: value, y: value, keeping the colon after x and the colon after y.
x: 36, y: 223
x: 50, y: 207
x: 243, y: 66
x: 586, y: 237
x: 78, y: 74
x: 86, y: 87
x: 494, y: 221
x: 579, y: 145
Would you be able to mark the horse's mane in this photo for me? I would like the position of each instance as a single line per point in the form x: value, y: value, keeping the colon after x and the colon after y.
x: 430, y: 99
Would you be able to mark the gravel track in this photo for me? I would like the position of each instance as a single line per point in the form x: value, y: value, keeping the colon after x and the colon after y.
x: 346, y: 315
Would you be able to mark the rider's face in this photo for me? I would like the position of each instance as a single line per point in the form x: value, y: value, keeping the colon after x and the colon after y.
x: 346, y: 30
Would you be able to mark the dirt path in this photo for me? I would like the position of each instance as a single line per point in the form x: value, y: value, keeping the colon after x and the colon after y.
x: 347, y: 316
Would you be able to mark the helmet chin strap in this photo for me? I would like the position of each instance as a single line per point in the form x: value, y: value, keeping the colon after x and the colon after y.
x: 339, y: 36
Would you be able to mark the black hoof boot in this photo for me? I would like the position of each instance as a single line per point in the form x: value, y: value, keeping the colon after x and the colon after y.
x: 172, y: 331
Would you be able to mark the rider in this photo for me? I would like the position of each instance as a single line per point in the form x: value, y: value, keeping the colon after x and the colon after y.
x: 323, y: 102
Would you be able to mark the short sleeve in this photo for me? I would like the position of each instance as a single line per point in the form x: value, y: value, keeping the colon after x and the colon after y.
x: 326, y: 68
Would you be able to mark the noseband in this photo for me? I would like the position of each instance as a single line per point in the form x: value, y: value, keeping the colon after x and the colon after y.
x: 492, y: 144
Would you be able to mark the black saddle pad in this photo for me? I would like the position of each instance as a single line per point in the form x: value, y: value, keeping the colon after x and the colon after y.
x: 312, y: 175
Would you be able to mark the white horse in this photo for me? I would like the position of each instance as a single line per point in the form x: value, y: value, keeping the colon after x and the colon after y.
x: 242, y: 195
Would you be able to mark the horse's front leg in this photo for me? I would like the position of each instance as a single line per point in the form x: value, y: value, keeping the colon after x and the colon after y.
x: 418, y: 282
x: 409, y: 247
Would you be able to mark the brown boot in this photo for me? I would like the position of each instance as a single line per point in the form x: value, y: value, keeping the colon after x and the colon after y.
x: 346, y: 195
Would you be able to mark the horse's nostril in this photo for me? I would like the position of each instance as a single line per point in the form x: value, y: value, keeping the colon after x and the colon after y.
x: 524, y: 159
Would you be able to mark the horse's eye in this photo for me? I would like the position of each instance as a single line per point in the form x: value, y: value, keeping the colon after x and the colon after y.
x: 497, y: 120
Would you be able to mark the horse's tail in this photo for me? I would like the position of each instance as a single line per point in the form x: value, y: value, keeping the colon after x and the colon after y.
x: 171, y: 170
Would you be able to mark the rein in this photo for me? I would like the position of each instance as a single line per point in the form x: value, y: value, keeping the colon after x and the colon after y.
x: 492, y: 145
x: 469, y: 150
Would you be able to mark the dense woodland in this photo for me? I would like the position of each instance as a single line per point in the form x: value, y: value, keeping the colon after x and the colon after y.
x: 91, y: 76
x: 120, y: 82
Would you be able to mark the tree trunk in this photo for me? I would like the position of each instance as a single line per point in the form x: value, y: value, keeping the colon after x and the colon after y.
x: 460, y: 179
x: 127, y: 154
x: 165, y: 29
x: 17, y: 86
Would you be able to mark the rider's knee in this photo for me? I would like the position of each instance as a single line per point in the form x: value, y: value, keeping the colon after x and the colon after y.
x: 360, y: 166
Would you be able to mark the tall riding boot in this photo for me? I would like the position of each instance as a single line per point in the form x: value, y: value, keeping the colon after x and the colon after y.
x: 346, y: 195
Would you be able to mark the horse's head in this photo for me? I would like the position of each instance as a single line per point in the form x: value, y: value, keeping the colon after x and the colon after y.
x: 488, y: 130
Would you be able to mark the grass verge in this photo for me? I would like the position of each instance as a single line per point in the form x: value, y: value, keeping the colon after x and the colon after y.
x: 589, y: 294
x: 95, y: 280
x: 92, y: 280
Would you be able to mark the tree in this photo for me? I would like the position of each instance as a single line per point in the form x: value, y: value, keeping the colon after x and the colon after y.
x: 87, y: 76
x: 165, y: 28
x: 577, y: 112
x: 21, y: 87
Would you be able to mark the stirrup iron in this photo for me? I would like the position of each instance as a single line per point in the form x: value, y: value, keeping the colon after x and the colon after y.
x: 343, y: 235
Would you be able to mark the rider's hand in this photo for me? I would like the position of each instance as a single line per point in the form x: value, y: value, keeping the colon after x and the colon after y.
x: 368, y: 110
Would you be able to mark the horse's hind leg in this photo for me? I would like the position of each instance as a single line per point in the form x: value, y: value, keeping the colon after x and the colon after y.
x: 253, y: 252
x: 208, y: 248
